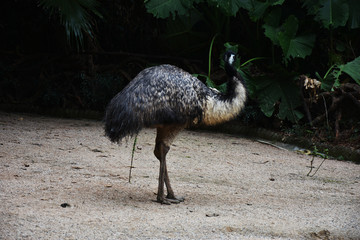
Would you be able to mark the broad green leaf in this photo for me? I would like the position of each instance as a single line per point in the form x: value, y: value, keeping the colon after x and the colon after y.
x: 167, y: 8
x: 273, y: 17
x: 74, y: 16
x: 328, y: 83
x: 354, y: 18
x: 290, y: 26
x: 300, y: 47
x: 258, y: 8
x: 246, y: 4
x: 332, y: 78
x: 271, y: 26
x: 272, y: 33
x: 231, y: 7
x: 312, y: 6
x: 231, y: 47
x: 333, y: 13
x: 286, y: 111
x: 277, y: 2
x: 285, y: 36
x: 269, y: 92
x: 352, y: 69
x: 328, y: 80
x: 336, y: 76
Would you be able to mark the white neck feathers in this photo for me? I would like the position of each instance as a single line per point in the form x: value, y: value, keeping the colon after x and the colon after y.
x: 219, y: 110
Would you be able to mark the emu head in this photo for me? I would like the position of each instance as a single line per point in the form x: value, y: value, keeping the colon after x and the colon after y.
x: 229, y: 57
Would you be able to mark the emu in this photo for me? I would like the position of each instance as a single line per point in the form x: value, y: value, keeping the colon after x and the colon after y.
x: 170, y: 99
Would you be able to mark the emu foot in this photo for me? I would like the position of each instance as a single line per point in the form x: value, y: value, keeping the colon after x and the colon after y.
x: 170, y: 200
x: 174, y: 199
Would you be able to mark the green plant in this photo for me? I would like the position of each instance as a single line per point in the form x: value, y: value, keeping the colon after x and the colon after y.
x: 316, y: 153
x: 241, y: 68
x: 208, y: 81
x: 295, y: 29
x: 132, y: 156
x: 322, y: 32
x: 173, y: 8
x: 74, y: 15
x: 293, y: 45
x: 332, y: 77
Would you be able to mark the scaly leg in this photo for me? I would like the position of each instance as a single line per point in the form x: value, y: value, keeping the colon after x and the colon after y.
x: 162, y: 159
x: 165, y: 136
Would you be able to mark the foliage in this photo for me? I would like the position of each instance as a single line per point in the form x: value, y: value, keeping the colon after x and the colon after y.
x: 316, y: 153
x: 75, y: 16
x: 270, y: 91
x: 332, y: 77
x: 334, y: 13
x: 295, y: 29
x: 285, y: 36
x: 310, y: 37
x: 167, y: 8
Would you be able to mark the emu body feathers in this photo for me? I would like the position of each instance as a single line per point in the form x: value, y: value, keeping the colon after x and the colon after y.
x: 166, y: 94
x: 158, y: 95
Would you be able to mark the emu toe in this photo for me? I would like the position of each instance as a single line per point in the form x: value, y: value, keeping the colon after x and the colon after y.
x: 174, y: 199
x: 170, y: 200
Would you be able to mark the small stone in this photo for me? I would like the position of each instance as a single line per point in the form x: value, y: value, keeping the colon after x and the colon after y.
x: 65, y: 205
x: 212, y: 214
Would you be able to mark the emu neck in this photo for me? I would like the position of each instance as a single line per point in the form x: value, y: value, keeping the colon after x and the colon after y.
x: 234, y: 79
x: 230, y: 70
x: 222, y: 108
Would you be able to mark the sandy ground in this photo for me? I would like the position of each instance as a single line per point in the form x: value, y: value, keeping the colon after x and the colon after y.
x: 62, y: 179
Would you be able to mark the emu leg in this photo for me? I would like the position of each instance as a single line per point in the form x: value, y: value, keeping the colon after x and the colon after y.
x: 162, y: 158
x: 160, y: 152
x: 165, y: 136
x: 170, y: 193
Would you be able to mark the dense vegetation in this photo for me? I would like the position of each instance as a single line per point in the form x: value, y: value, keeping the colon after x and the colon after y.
x: 300, y: 58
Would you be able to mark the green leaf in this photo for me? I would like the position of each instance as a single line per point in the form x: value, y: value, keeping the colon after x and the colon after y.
x: 286, y: 111
x: 336, y: 75
x: 312, y: 6
x: 333, y: 13
x: 293, y: 46
x: 258, y: 8
x: 354, y: 17
x: 167, y: 8
x: 273, y: 17
x: 74, y: 15
x: 271, y: 26
x: 287, y: 32
x: 272, y: 33
x: 231, y: 7
x: 332, y: 77
x: 269, y: 92
x: 300, y: 47
x: 231, y: 47
x: 328, y: 83
x: 352, y: 69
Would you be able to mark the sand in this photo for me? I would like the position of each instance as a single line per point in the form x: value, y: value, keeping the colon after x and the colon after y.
x: 63, y: 179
